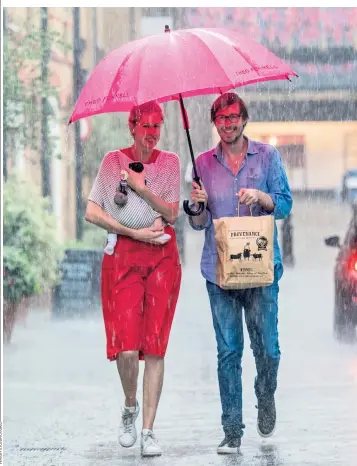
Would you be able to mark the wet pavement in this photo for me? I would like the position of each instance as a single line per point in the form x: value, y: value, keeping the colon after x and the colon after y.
x: 62, y: 398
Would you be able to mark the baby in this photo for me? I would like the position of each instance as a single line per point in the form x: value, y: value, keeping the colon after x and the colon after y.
x: 112, y: 238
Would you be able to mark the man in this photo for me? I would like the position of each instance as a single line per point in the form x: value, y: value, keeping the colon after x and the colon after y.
x: 253, y: 173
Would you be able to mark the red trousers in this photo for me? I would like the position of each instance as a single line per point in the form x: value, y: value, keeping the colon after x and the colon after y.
x: 140, y: 288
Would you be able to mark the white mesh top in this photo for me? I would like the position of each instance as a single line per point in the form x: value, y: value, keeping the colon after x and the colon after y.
x: 162, y: 178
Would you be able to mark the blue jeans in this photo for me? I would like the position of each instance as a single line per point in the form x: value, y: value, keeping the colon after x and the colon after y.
x: 261, y: 317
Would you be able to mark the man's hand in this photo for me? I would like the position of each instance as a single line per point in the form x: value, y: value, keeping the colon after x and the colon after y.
x: 253, y: 196
x: 199, y: 194
x: 136, y: 180
x: 249, y: 196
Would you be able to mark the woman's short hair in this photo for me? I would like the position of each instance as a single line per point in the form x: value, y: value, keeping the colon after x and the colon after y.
x: 139, y: 110
x: 226, y: 100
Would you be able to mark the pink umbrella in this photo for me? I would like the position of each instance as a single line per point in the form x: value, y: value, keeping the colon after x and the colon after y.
x: 174, y: 65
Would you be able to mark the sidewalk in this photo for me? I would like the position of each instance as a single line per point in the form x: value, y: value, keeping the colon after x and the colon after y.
x: 62, y: 398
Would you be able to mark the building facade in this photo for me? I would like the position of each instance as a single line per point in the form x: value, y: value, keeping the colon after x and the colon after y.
x: 313, y: 118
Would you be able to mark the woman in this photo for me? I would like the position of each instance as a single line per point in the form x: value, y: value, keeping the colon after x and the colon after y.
x: 141, y: 280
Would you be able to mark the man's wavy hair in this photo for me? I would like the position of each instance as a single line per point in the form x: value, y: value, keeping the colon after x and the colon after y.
x: 226, y: 100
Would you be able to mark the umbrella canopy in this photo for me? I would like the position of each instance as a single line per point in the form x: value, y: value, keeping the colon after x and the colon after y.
x: 171, y: 65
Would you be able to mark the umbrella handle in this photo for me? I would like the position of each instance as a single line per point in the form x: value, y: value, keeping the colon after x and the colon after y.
x: 186, y: 206
x: 191, y: 212
x: 201, y: 205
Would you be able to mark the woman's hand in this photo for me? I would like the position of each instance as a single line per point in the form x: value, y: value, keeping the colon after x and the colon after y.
x: 136, y: 180
x: 148, y: 235
x: 199, y: 194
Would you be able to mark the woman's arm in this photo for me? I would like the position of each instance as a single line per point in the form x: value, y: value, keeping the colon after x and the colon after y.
x: 278, y: 199
x: 168, y: 210
x: 96, y: 215
x: 168, y: 205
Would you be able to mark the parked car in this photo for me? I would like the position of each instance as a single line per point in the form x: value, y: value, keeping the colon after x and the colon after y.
x: 349, y: 186
x: 345, y: 308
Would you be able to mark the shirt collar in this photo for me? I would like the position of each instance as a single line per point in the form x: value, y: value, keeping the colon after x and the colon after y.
x: 252, y: 149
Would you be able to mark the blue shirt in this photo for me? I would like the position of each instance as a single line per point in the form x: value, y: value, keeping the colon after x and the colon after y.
x: 262, y: 169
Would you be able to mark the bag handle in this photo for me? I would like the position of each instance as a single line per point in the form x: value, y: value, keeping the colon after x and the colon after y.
x: 250, y: 209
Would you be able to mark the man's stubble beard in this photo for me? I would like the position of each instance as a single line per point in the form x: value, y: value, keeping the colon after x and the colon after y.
x: 236, y: 139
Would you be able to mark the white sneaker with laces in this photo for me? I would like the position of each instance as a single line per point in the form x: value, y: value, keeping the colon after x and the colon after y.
x: 149, y: 444
x: 127, y: 429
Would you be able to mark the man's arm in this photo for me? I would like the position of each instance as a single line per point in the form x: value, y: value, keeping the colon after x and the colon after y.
x: 199, y: 194
x: 278, y: 187
x: 266, y: 202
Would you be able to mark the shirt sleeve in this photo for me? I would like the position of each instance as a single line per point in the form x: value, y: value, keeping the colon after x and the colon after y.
x: 98, y: 189
x: 172, y: 182
x: 207, y: 223
x: 278, y: 187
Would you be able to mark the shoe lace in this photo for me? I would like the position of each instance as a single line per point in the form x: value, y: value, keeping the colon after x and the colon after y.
x: 128, y: 421
x: 150, y: 436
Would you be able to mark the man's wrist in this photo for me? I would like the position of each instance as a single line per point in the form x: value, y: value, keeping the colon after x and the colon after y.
x: 260, y: 196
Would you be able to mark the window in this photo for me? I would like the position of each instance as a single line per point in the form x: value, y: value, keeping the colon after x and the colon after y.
x: 156, y: 11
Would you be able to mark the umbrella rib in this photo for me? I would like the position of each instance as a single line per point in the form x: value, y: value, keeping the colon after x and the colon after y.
x: 236, y: 48
x: 139, y: 74
x: 210, y: 51
x: 123, y: 64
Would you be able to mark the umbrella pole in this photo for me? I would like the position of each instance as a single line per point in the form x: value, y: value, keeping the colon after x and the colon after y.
x: 196, y: 178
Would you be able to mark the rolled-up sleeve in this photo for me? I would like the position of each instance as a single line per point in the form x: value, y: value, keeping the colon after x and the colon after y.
x: 278, y: 187
x: 205, y: 225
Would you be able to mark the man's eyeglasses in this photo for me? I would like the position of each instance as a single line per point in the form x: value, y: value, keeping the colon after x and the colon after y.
x: 234, y: 118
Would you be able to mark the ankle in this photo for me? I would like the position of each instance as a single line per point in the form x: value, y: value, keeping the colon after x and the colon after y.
x: 129, y: 403
x: 148, y: 427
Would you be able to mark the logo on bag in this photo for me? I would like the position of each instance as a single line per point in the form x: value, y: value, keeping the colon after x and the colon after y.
x: 243, y: 234
x: 262, y: 243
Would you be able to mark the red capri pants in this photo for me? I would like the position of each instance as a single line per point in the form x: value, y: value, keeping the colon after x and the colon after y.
x: 140, y: 288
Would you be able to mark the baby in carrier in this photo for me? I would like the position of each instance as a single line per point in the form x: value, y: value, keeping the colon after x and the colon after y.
x: 121, y: 200
x: 112, y: 238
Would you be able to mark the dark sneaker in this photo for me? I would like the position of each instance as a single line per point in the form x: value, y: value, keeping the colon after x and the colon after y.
x: 266, y: 418
x: 228, y: 446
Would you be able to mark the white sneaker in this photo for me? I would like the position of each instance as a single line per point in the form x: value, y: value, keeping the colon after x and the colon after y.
x: 149, y: 444
x: 127, y: 429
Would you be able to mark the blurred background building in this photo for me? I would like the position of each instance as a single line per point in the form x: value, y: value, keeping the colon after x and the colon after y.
x: 312, y: 120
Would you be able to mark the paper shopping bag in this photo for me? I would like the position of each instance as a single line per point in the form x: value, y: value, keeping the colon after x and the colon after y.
x: 245, y: 251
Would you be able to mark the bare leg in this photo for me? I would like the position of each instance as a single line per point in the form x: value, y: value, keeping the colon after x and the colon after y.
x: 128, y: 368
x: 153, y: 380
